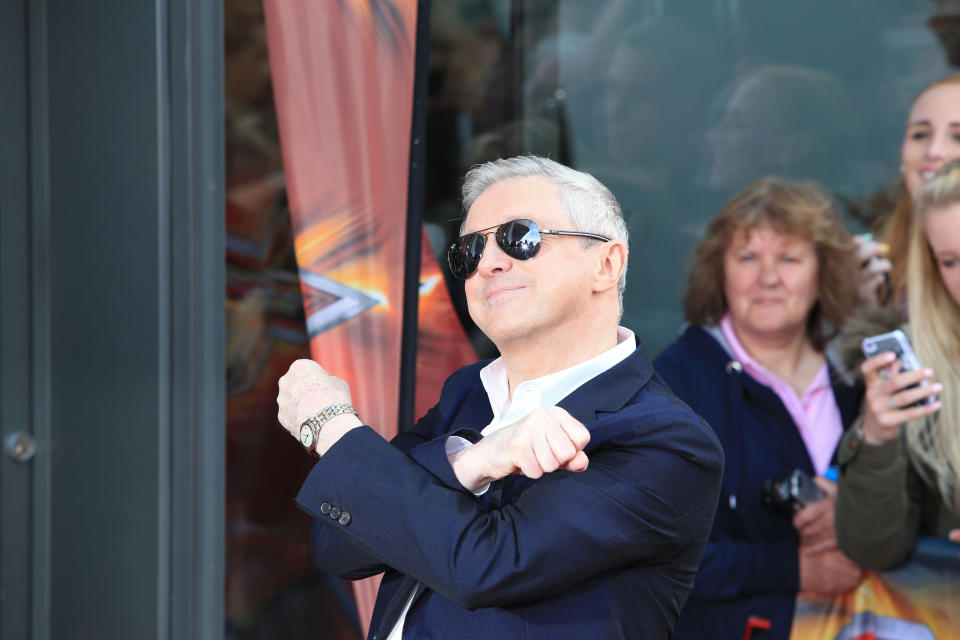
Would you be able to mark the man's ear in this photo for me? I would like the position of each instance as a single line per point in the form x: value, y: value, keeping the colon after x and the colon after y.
x: 611, y: 261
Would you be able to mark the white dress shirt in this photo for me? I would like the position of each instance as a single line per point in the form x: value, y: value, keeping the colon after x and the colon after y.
x: 547, y: 391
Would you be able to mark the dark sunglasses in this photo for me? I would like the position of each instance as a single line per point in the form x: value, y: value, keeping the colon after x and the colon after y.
x: 519, y: 239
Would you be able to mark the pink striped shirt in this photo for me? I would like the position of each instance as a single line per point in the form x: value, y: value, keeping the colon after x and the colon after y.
x: 815, y: 413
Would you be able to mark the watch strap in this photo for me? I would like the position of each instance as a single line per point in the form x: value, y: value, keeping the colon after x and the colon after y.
x: 316, y: 421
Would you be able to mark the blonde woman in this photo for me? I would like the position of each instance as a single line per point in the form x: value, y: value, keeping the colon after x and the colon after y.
x: 930, y: 140
x: 900, y: 471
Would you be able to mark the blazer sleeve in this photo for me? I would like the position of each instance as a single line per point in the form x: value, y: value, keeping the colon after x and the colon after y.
x: 626, y: 508
x: 730, y: 566
x: 339, y: 554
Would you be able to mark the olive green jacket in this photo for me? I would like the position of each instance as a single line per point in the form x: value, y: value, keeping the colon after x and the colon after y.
x: 883, y: 503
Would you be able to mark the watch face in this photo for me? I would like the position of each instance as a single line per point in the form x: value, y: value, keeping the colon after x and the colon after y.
x: 306, y: 436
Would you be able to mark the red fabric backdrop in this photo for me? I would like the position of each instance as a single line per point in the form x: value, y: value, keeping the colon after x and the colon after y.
x: 343, y: 74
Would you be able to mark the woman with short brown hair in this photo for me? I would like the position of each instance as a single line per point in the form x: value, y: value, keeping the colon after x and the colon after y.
x: 771, y: 282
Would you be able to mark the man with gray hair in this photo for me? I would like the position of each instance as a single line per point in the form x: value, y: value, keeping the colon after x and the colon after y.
x: 559, y: 491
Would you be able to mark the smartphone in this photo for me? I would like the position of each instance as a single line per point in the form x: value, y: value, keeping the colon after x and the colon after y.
x: 896, y: 342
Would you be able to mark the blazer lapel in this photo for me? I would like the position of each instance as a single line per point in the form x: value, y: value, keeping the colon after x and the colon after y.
x: 475, y: 412
x: 608, y: 392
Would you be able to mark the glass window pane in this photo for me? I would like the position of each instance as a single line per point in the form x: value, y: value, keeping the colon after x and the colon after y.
x: 676, y: 106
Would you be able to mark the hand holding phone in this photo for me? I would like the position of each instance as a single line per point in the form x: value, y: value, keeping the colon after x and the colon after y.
x: 898, y: 389
x: 896, y: 342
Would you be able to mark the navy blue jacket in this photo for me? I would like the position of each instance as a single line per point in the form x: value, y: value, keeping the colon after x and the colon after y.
x: 750, y: 565
x: 610, y: 552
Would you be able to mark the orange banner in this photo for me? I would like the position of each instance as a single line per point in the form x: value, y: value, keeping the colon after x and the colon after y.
x: 918, y: 601
x: 343, y: 81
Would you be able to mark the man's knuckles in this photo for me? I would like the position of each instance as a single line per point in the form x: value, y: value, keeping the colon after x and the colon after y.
x: 581, y: 438
x: 303, y: 365
x: 550, y: 464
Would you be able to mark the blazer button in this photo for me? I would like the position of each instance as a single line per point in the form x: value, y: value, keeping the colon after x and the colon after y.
x: 324, y: 508
x: 345, y: 519
x: 334, y: 512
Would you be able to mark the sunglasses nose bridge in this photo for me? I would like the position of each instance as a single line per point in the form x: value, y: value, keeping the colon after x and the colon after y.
x: 493, y: 257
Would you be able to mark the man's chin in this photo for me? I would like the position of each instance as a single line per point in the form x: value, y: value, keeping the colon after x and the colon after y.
x: 503, y: 334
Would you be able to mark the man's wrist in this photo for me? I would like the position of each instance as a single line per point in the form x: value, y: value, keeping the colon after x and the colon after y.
x: 322, y: 429
x: 466, y: 466
x: 334, y: 429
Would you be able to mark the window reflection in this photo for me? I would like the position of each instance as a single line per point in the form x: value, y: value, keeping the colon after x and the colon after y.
x: 272, y: 590
x: 677, y: 105
x: 787, y: 121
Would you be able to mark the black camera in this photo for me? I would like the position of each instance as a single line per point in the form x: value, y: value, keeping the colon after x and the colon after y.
x: 791, y: 491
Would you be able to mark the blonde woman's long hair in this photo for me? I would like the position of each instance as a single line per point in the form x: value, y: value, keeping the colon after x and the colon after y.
x: 934, y: 442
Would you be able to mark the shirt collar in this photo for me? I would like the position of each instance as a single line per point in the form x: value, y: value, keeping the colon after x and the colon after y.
x: 756, y: 370
x: 550, y: 389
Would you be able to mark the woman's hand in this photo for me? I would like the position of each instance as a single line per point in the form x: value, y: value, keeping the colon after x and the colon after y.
x: 823, y: 567
x: 814, y: 522
x: 874, y: 267
x: 827, y: 572
x: 888, y: 400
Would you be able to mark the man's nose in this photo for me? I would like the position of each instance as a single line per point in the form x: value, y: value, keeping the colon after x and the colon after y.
x: 493, y: 259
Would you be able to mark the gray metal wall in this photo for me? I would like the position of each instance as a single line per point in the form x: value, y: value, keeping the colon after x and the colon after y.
x: 111, y: 319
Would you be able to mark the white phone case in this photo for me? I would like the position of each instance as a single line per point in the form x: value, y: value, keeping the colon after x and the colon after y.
x: 896, y: 342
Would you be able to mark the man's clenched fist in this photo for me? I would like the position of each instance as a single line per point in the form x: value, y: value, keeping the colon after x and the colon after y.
x: 546, y: 440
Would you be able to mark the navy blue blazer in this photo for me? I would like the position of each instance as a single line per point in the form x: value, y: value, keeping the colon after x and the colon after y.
x: 750, y: 565
x: 610, y: 552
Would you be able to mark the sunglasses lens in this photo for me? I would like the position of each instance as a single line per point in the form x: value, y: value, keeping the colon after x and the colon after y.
x: 464, y: 253
x: 519, y: 239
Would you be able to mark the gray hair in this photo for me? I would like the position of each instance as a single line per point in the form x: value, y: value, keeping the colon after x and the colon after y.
x: 591, y: 206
